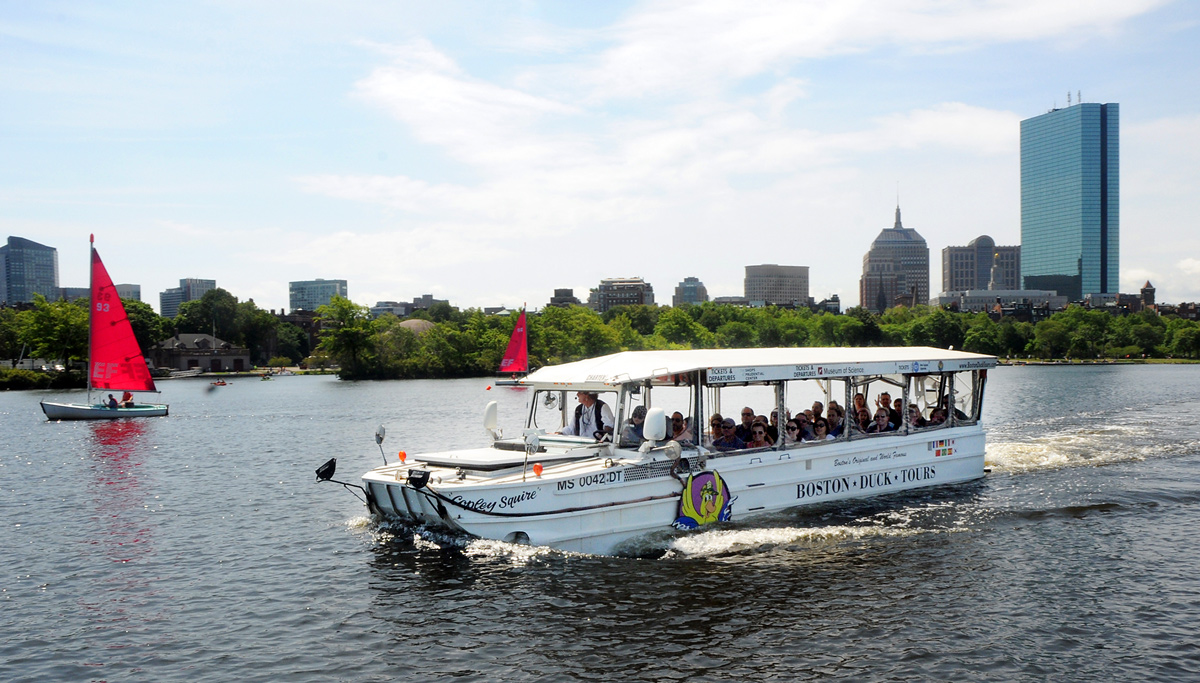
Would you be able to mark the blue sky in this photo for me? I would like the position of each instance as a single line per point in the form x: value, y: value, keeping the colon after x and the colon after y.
x: 490, y: 152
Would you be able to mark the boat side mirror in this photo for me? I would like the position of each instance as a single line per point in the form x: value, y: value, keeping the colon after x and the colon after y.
x: 655, y: 426
x: 490, y: 419
x: 380, y: 432
x: 325, y: 472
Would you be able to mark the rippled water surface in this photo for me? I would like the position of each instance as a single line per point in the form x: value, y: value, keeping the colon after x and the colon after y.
x: 198, y: 547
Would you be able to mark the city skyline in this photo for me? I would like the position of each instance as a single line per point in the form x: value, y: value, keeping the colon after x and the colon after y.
x: 462, y: 151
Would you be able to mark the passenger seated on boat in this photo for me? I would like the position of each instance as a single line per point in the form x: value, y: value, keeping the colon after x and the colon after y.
x: 126, y: 400
x: 835, y: 417
x: 817, y: 409
x: 881, y: 423
x: 728, y: 440
x: 680, y: 431
x: 885, y: 401
x: 111, y: 402
x: 860, y: 403
x: 714, y: 424
x: 791, y: 433
x: 937, y: 417
x: 758, y: 437
x: 773, y: 426
x: 593, y: 417
x: 863, y: 421
x: 805, y: 424
x: 743, y: 430
x: 914, y: 416
x: 632, y: 436
x: 821, y: 430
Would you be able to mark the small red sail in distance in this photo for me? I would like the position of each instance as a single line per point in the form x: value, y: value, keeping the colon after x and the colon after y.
x: 114, y: 359
x: 516, y: 357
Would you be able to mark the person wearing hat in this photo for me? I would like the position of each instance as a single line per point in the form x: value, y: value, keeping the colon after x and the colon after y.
x: 633, y: 435
x: 728, y: 441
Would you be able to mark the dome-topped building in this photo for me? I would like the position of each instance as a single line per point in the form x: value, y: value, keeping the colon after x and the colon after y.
x: 895, y: 269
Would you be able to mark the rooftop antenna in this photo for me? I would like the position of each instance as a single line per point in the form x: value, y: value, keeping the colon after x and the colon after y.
x: 1068, y: 98
x: 1079, y: 96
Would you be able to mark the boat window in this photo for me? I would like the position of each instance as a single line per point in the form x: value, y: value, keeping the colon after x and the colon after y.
x: 968, y: 396
x: 671, y: 399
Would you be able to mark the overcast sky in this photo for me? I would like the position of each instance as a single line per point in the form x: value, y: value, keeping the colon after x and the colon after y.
x: 490, y: 152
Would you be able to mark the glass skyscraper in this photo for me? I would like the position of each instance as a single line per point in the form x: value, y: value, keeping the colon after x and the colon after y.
x: 1070, y: 200
x: 27, y: 268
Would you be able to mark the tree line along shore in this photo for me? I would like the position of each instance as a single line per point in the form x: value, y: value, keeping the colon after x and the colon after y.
x: 469, y: 343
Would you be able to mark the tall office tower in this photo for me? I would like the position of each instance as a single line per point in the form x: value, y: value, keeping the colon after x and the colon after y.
x: 972, y: 266
x: 895, y: 268
x: 1071, y: 200
x: 189, y: 289
x: 306, y: 295
x: 27, y: 268
x: 620, y: 291
x: 690, y: 291
x: 771, y: 284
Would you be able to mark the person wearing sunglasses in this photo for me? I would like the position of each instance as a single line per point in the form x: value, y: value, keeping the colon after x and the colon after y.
x: 632, y: 436
x: 714, y: 432
x: 743, y: 430
x: 791, y: 433
x: 821, y: 430
x: 680, y: 431
x: 881, y: 423
x: 758, y: 436
x: 728, y: 441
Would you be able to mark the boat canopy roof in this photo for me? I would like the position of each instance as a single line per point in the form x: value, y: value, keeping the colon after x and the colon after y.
x: 740, y: 366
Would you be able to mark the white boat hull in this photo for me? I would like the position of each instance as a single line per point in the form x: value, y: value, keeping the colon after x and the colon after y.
x: 99, y: 411
x: 586, y: 506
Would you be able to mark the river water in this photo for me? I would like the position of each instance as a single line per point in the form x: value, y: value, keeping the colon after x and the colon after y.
x: 198, y: 547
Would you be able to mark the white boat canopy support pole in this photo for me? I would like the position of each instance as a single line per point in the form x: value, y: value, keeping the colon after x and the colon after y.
x: 780, y: 412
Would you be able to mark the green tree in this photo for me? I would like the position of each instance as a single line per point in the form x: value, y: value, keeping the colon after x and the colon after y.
x: 642, y: 317
x: 10, y: 342
x: 214, y: 313
x: 1186, y: 342
x: 254, y: 329
x: 735, y: 335
x: 55, y: 330
x: 291, y: 342
x: 870, y: 334
x: 346, y: 336
x: 149, y: 328
x: 1051, y: 338
x: 984, y: 337
x: 677, y: 327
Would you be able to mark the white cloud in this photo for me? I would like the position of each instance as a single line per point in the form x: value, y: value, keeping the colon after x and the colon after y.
x: 669, y: 47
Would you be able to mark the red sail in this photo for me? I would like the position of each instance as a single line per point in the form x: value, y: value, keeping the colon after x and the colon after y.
x: 115, y: 360
x: 516, y: 357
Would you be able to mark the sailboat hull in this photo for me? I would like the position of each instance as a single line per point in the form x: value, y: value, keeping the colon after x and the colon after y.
x: 98, y: 411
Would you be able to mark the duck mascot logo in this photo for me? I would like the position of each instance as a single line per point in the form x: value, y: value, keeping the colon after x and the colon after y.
x: 705, y: 499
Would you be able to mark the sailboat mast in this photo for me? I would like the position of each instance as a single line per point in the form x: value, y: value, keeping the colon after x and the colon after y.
x: 91, y: 306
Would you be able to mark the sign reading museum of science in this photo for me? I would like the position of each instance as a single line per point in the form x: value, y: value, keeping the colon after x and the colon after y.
x: 775, y: 373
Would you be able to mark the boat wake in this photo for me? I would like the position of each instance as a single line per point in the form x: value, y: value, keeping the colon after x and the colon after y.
x: 725, y: 542
x: 1084, y: 447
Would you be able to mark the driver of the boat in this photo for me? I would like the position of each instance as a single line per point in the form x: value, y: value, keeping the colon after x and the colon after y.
x: 126, y: 400
x: 592, y: 417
